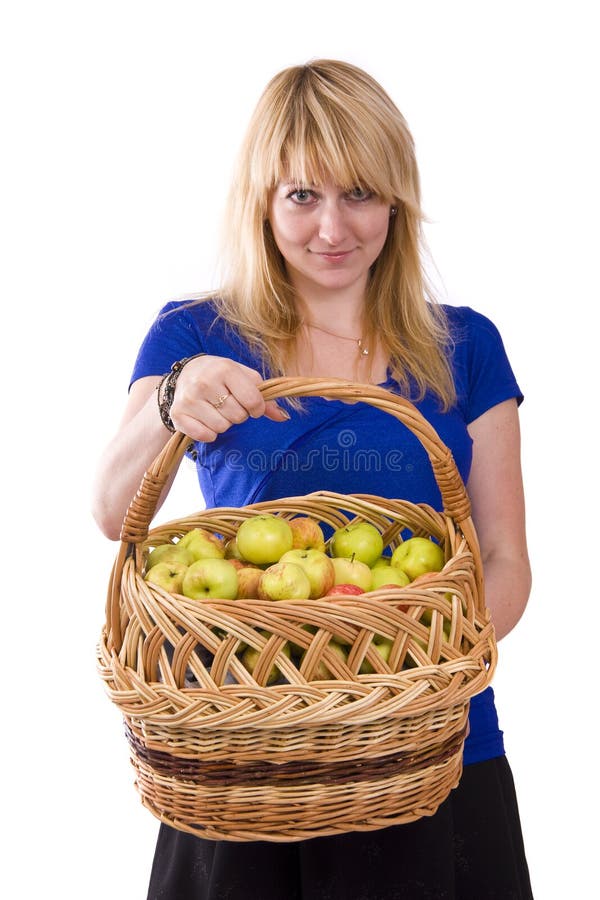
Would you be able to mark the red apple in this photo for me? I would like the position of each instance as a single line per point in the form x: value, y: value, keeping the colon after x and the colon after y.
x: 307, y: 534
x: 248, y: 579
x: 344, y: 589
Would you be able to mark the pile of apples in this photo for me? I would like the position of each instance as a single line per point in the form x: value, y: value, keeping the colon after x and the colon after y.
x: 273, y: 558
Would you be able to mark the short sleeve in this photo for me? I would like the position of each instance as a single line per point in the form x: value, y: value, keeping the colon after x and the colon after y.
x: 173, y: 335
x: 488, y: 378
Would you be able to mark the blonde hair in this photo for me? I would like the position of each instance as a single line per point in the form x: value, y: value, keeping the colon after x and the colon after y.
x: 330, y: 118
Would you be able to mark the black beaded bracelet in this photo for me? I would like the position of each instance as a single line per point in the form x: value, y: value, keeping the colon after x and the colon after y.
x: 166, y: 390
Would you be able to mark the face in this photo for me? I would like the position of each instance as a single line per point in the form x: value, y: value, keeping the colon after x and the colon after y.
x: 328, y: 237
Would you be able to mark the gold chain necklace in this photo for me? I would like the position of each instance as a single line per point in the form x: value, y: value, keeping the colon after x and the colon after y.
x: 362, y: 350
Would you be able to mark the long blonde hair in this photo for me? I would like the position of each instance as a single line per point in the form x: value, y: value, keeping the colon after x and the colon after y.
x: 331, y: 118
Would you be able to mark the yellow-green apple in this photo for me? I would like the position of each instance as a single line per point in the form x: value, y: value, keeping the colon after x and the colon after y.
x: 167, y: 575
x: 211, y: 578
x: 203, y: 544
x: 382, y: 561
x: 248, y: 579
x: 352, y: 571
x: 360, y: 540
x: 231, y: 549
x: 383, y: 647
x: 418, y: 555
x: 322, y: 671
x: 284, y: 581
x: 307, y: 534
x: 263, y: 539
x: 388, y: 576
x: 349, y: 589
x: 317, y: 565
x: 250, y: 658
x: 169, y: 553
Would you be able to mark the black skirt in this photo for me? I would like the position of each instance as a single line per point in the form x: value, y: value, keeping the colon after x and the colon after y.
x: 471, y: 849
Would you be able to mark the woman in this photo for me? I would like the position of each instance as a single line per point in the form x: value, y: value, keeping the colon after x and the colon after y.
x: 324, y: 278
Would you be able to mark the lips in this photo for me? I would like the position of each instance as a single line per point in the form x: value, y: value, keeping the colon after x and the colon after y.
x: 338, y: 256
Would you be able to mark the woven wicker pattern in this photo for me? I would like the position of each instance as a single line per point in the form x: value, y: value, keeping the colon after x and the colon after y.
x: 223, y: 753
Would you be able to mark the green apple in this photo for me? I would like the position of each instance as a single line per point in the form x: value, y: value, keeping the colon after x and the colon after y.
x: 317, y: 565
x: 168, y: 575
x: 231, y: 550
x: 383, y: 647
x: 211, y: 578
x: 418, y: 555
x: 382, y: 561
x: 284, y: 581
x: 360, y: 540
x: 169, y: 553
x: 352, y: 571
x: 250, y: 657
x: 307, y: 534
x: 382, y: 576
x: 203, y: 544
x: 263, y: 539
x: 322, y: 671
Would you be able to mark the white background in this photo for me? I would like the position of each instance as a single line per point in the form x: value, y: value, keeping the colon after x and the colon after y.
x: 121, y: 120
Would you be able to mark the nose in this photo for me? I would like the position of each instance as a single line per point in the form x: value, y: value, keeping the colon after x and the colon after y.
x: 332, y: 224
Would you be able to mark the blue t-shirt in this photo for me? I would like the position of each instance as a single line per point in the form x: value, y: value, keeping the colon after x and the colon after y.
x: 336, y: 446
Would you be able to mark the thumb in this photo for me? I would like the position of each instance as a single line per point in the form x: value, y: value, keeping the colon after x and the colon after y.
x: 275, y: 412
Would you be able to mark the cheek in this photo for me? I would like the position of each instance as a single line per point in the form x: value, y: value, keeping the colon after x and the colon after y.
x: 289, y: 231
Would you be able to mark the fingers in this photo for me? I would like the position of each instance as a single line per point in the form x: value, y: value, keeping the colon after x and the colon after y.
x: 214, y: 393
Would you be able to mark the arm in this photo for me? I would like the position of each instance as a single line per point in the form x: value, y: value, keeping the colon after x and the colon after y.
x: 495, y: 487
x: 141, y: 434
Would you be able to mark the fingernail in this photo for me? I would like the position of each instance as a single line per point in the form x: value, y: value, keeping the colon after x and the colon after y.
x: 283, y: 413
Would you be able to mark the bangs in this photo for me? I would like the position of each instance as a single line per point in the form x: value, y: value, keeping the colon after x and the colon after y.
x: 312, y: 143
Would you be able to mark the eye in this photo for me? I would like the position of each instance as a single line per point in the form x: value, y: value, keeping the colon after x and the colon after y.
x: 360, y: 194
x: 301, y: 196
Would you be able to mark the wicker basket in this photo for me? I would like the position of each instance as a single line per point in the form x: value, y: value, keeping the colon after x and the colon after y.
x: 226, y: 755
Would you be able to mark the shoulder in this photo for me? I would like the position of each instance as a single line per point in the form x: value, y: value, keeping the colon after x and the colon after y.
x: 482, y: 370
x: 467, y: 324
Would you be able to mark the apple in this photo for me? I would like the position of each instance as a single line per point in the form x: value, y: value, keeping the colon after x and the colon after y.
x: 203, y: 544
x: 388, y: 576
x: 317, y: 565
x: 284, y: 581
x: 352, y: 571
x: 248, y: 579
x: 360, y: 540
x: 344, y: 589
x: 231, y: 550
x: 418, y: 555
x: 211, y: 578
x: 169, y: 553
x: 167, y: 575
x: 382, y: 561
x: 307, y: 534
x: 263, y: 539
x: 250, y: 656
x: 383, y: 647
x: 322, y: 671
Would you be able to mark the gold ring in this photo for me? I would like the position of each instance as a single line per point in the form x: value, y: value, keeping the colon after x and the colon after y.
x: 220, y: 400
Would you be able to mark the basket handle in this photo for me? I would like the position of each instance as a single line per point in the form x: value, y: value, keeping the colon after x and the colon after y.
x: 452, y: 489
